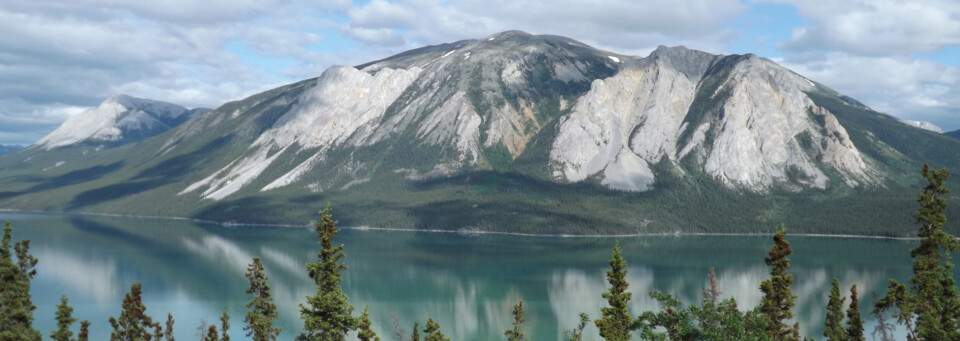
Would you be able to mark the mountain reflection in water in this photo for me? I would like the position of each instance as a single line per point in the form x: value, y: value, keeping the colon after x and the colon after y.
x: 467, y: 283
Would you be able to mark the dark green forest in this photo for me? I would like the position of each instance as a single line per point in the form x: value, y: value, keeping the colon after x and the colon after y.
x: 927, y: 307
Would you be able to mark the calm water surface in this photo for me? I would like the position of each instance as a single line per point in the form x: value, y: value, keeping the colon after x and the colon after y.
x: 468, y: 283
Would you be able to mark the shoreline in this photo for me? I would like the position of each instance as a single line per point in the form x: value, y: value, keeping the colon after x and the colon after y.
x: 460, y: 231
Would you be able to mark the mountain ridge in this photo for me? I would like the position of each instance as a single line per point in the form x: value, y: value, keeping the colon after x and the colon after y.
x: 118, y: 119
x: 513, y: 132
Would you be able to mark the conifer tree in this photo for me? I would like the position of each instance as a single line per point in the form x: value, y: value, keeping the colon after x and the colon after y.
x: 884, y: 328
x: 224, y: 326
x: 515, y: 334
x: 364, y: 333
x: 64, y: 317
x: 84, y: 331
x: 854, y: 322
x: 724, y: 321
x: 777, y: 303
x: 576, y: 334
x: 932, y: 301
x: 833, y: 325
x: 212, y: 334
x: 616, y: 322
x: 415, y: 336
x: 327, y: 315
x: 16, y: 305
x: 169, y: 331
x: 133, y: 323
x: 261, y: 310
x: 672, y: 317
x: 712, y: 291
x: 432, y: 332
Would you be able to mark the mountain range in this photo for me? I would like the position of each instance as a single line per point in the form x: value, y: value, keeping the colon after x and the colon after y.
x: 511, y: 133
x: 9, y: 148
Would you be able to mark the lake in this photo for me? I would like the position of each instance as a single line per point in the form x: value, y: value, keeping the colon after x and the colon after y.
x: 467, y: 282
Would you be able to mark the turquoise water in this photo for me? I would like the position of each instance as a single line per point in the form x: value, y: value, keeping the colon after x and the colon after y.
x: 468, y: 283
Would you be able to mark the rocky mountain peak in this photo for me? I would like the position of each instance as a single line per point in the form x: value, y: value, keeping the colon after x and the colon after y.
x: 497, y: 127
x: 119, y: 117
x: 692, y: 63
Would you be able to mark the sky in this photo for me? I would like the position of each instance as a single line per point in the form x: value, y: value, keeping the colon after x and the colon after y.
x: 60, y: 57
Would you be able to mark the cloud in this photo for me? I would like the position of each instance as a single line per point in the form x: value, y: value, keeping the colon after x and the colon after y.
x: 62, y: 55
x: 905, y: 87
x: 70, y: 54
x: 376, y: 36
x: 621, y: 25
x: 876, y: 27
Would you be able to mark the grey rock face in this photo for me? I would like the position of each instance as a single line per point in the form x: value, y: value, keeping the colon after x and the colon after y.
x: 744, y: 121
x: 119, y: 117
x: 765, y: 131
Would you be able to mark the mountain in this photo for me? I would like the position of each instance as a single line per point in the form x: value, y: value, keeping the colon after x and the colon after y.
x: 955, y: 133
x: 9, y: 148
x: 119, y: 119
x: 515, y: 133
x: 923, y: 125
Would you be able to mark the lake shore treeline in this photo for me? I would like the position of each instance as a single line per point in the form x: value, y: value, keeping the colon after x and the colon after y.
x: 927, y: 307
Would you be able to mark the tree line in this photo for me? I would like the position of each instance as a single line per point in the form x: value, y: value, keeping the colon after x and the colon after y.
x: 928, y: 307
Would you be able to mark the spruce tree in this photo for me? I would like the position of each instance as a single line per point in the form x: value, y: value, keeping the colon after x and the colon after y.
x: 616, y: 322
x: 224, y: 326
x: 712, y: 291
x: 672, y: 318
x: 364, y: 333
x: 884, y: 328
x: 212, y: 334
x: 432, y: 332
x: 833, y: 325
x: 327, y: 315
x: 932, y: 301
x: 16, y: 305
x: 576, y: 334
x: 415, y: 336
x: 515, y: 334
x: 64, y: 317
x: 134, y: 323
x: 854, y: 322
x: 169, y: 331
x: 261, y: 310
x: 724, y: 321
x: 777, y: 303
x: 84, y: 331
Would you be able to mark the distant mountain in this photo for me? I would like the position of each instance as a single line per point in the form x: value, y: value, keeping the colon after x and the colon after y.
x: 513, y: 132
x: 923, y: 125
x: 119, y: 119
x: 955, y: 133
x: 9, y: 148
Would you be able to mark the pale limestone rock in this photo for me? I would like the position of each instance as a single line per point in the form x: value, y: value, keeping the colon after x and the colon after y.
x: 754, y: 146
x: 117, y: 116
x: 344, y: 100
x: 639, y: 111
